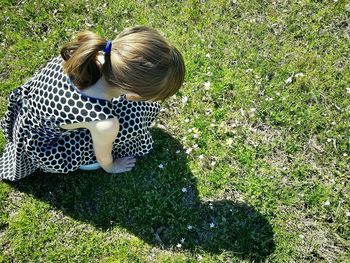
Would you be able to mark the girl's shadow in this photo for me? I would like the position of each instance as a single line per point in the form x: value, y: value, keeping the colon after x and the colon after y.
x: 159, y: 205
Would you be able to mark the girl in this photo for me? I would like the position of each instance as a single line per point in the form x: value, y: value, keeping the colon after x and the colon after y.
x: 92, y: 106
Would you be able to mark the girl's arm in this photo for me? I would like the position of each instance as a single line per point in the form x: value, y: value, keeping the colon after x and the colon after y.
x: 103, y: 134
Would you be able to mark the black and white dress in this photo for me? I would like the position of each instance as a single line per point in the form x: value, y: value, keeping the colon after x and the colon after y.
x: 48, y: 100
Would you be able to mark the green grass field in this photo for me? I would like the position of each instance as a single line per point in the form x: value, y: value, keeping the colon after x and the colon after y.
x: 252, y: 156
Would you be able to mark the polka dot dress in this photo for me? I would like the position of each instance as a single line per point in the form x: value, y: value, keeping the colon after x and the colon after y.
x: 36, y: 111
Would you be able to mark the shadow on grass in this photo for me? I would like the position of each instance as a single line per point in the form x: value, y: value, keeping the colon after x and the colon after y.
x: 152, y: 204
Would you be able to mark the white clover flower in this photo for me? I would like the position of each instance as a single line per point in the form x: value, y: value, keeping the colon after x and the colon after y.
x: 229, y: 141
x: 188, y: 151
x: 189, y: 227
x: 252, y: 109
x: 345, y: 154
x: 196, y: 135
x: 289, y: 80
x: 327, y: 203
x: 184, y: 190
x: 207, y: 55
x: 184, y: 99
x: 329, y: 140
x: 195, y: 146
x: 248, y: 70
x: 187, y: 120
x: 211, y: 225
x: 207, y: 85
x: 200, y: 257
x: 161, y: 166
x: 347, y: 213
x: 348, y: 90
x: 177, y: 152
x: 182, y: 240
x: 201, y: 156
x: 213, y: 163
x: 179, y: 245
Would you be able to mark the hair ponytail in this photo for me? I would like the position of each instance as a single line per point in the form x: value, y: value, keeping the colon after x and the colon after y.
x: 80, y: 57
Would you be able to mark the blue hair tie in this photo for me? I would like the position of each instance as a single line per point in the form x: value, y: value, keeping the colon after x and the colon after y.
x: 108, y: 47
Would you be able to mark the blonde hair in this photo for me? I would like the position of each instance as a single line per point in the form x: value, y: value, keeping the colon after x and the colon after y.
x: 141, y: 61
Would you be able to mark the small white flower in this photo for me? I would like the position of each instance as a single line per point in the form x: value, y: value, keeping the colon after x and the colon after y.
x: 229, y: 141
x: 189, y: 227
x: 207, y: 55
x: 212, y: 124
x: 207, y: 85
x: 178, y: 151
x: 211, y: 225
x: 213, y: 163
x: 200, y: 257
x: 278, y: 94
x: 302, y: 236
x: 195, y: 146
x: 184, y: 99
x: 188, y: 151
x: 242, y: 113
x: 347, y: 213
x: 289, y: 80
x: 329, y: 140
x: 201, y: 156
x: 327, y: 203
x: 184, y: 190
x: 333, y: 123
x: 248, y: 70
x: 179, y: 245
x: 252, y: 109
x: 187, y: 120
x: 209, y: 73
x: 161, y: 166
x: 182, y: 240
x: 300, y: 74
x: 348, y: 90
x: 345, y: 154
x: 196, y: 135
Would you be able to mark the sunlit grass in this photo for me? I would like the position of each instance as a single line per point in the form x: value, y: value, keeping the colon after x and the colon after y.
x: 258, y: 137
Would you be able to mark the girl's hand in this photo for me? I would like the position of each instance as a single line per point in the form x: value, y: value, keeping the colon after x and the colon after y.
x: 122, y: 165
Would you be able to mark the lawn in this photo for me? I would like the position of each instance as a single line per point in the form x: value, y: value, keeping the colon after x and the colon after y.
x: 252, y: 156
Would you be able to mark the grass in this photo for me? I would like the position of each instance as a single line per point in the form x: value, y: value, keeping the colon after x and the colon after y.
x: 262, y: 125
